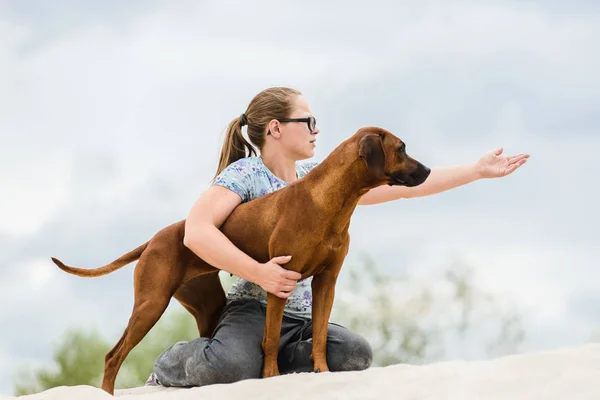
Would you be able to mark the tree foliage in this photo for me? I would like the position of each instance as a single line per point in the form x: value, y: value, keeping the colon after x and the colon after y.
x: 405, y: 320
x: 78, y: 359
x: 409, y: 320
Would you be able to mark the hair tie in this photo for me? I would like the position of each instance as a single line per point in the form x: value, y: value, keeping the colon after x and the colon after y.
x: 243, y: 120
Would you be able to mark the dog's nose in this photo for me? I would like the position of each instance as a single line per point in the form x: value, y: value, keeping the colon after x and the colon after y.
x: 422, y: 173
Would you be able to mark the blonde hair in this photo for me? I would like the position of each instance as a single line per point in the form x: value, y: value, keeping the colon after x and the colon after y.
x: 271, y: 103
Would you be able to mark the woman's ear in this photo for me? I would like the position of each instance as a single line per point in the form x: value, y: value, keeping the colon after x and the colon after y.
x: 274, y: 127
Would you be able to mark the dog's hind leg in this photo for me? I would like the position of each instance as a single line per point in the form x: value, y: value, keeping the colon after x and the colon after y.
x: 204, y: 298
x: 153, y: 289
x: 146, y: 313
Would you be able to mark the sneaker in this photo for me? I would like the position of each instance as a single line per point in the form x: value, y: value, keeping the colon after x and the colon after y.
x: 152, y: 380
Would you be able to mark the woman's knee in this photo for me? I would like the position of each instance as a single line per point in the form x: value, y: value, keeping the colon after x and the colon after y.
x: 231, y: 367
x: 360, y: 355
x: 354, y: 354
x: 196, y: 363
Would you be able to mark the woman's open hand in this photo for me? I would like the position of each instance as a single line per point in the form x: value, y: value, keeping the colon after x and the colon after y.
x: 494, y: 165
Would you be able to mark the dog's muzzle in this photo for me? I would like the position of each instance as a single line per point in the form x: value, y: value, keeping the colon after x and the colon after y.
x: 417, y: 177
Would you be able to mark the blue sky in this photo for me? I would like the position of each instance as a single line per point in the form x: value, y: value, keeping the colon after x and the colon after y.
x: 111, y: 119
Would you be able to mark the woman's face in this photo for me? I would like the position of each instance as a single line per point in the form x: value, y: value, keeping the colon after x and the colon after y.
x: 296, y: 138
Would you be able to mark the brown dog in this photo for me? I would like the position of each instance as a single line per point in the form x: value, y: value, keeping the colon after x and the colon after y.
x: 309, y: 220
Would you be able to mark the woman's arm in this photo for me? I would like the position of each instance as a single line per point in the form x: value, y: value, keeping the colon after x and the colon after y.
x: 439, y: 180
x: 491, y: 165
x: 203, y: 237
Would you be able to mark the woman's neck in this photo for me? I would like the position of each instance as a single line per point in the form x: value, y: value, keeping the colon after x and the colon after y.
x: 281, y: 166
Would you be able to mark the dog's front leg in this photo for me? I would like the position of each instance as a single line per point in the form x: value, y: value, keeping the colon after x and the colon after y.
x: 270, y: 344
x: 323, y: 288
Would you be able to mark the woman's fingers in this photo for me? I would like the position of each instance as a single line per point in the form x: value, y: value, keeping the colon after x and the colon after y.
x: 517, y: 158
x: 281, y: 259
x: 511, y: 168
x: 287, y: 279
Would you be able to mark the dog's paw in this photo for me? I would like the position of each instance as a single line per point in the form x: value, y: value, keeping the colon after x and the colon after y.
x: 269, y: 372
x: 321, y: 368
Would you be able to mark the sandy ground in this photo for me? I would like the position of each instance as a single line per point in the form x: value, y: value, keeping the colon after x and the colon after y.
x: 570, y: 373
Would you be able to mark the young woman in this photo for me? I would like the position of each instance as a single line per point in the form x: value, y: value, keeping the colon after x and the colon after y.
x: 280, y: 124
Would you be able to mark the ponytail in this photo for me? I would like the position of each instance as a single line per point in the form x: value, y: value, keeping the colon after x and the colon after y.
x: 235, y: 146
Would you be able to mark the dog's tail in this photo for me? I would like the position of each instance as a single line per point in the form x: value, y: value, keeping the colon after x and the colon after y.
x: 105, y: 270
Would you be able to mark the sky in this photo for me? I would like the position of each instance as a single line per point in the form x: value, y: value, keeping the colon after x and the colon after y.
x: 112, y: 117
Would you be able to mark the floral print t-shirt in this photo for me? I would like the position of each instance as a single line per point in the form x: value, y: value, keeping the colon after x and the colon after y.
x: 250, y: 179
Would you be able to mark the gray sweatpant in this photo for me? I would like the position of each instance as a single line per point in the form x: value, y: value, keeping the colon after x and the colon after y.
x: 235, y: 353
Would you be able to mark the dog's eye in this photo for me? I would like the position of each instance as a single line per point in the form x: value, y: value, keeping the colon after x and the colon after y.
x: 402, y: 148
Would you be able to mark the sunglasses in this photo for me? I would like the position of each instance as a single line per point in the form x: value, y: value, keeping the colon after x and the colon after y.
x: 310, y: 121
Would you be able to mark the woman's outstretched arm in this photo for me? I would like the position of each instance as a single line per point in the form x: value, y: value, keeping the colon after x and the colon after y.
x: 491, y: 165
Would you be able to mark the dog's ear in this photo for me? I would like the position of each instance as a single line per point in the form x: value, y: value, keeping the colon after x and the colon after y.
x: 371, y: 151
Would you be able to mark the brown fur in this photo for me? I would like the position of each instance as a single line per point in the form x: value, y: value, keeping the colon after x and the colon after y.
x: 309, y: 220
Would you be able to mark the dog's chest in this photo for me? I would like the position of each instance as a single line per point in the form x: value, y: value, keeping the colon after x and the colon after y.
x: 330, y: 248
x: 333, y: 245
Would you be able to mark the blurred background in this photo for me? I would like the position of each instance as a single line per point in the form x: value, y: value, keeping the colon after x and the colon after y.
x: 111, y: 120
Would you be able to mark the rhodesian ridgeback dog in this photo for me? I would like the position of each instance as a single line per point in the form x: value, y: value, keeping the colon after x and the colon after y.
x: 308, y: 219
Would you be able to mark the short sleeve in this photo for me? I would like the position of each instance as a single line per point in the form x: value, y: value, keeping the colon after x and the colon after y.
x: 237, y: 178
x: 305, y: 166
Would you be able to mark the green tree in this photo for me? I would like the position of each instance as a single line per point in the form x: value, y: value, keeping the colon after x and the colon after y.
x: 78, y: 359
x: 413, y: 321
x: 405, y: 320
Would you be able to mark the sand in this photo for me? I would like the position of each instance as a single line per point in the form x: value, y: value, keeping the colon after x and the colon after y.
x: 569, y: 373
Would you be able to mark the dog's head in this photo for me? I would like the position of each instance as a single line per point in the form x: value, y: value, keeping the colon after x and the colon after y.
x: 386, y: 159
